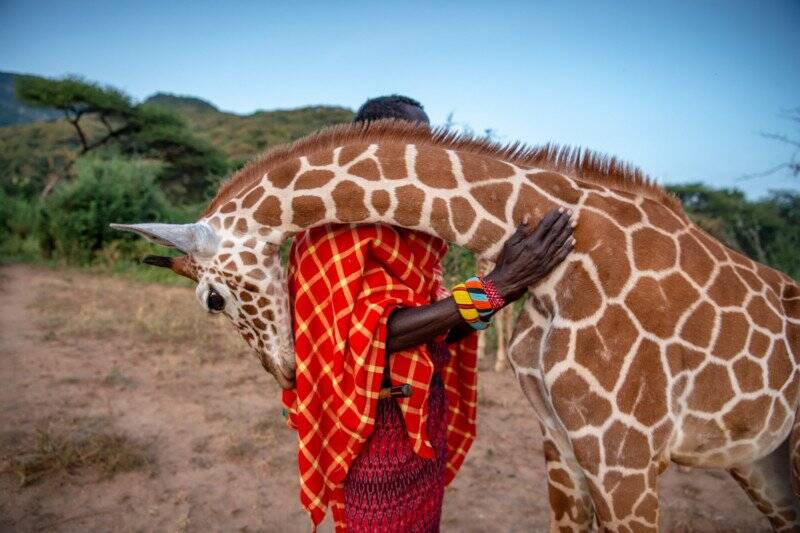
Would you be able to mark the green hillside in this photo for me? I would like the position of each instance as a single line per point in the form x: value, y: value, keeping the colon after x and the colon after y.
x: 30, y: 147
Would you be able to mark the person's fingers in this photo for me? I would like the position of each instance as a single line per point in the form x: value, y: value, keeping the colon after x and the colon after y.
x: 562, y: 252
x: 545, y: 242
x: 564, y: 234
x: 547, y: 222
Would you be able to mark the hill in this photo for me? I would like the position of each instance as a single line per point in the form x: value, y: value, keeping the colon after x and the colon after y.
x: 29, y: 146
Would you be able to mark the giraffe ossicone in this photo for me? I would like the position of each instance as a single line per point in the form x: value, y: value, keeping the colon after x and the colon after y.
x: 651, y: 343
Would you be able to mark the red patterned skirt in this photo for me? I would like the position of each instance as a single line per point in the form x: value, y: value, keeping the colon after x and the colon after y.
x: 388, y: 486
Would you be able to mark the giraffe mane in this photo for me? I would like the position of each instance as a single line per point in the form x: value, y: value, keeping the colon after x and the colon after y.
x: 579, y: 163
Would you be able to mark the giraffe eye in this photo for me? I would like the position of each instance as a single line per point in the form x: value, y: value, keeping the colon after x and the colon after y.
x: 215, y: 301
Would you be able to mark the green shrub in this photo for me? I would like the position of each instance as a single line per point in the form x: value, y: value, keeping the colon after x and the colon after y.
x: 74, y: 220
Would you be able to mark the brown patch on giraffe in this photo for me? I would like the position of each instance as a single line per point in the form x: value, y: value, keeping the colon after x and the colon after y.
x: 602, y: 348
x: 250, y: 243
x: 228, y: 207
x: 440, y: 220
x: 624, y: 491
x: 268, y: 212
x: 560, y: 476
x: 348, y: 197
x: 556, y: 185
x: 282, y: 175
x: 575, y: 403
x: 530, y: 202
x: 750, y: 278
x: 652, y: 250
x: 250, y: 309
x: 648, y: 509
x: 221, y: 258
x: 320, y: 158
x: 748, y: 375
x: 681, y: 358
x: 313, y: 179
x: 732, y: 336
x: 214, y: 222
x: 409, y: 205
x: 381, y: 201
x: 366, y: 169
x: 759, y: 344
x: 694, y: 259
x: 626, y: 446
x: 257, y: 273
x: 462, y: 213
x: 770, y: 276
x: 747, y: 418
x: 577, y: 295
x: 607, y: 247
x: 712, y: 389
x: 643, y: 394
x: 624, y: 213
x: 779, y: 366
x: 587, y: 452
x: 393, y: 160
x: 713, y: 247
x: 248, y: 258
x: 493, y: 198
x: 700, y: 435
x: 434, y: 169
x: 481, y: 168
x: 351, y: 152
x: 698, y: 327
x: 763, y: 315
x: 657, y: 305
x: 486, y: 235
x: 241, y: 226
x: 228, y: 222
x: 307, y: 210
x: 252, y: 197
x: 727, y: 290
x: 661, y: 217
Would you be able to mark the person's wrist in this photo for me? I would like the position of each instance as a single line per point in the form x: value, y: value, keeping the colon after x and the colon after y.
x: 500, y: 284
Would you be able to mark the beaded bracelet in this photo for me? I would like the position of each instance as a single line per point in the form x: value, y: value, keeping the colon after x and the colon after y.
x: 467, y: 309
x: 477, y: 300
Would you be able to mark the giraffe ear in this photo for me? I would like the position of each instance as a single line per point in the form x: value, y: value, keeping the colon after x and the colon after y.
x: 195, y: 239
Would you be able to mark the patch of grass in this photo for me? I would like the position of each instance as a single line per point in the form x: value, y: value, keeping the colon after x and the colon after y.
x: 52, y: 454
x: 107, y: 309
x: 116, y: 379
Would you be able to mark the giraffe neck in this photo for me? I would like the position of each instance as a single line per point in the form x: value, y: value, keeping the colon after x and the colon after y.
x: 472, y: 200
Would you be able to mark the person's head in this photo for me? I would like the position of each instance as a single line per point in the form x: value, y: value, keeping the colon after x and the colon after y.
x: 392, y: 106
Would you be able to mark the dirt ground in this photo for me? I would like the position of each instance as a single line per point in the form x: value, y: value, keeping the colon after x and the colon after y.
x: 83, y: 356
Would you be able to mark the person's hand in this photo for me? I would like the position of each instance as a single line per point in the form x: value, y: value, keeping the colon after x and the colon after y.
x: 528, y: 256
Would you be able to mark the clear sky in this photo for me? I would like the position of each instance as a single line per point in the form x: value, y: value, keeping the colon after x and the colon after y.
x: 682, y: 89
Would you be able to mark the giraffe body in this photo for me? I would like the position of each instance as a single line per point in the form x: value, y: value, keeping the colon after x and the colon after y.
x: 651, y: 343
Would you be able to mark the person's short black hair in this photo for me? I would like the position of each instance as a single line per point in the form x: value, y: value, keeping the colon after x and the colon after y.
x: 393, y: 106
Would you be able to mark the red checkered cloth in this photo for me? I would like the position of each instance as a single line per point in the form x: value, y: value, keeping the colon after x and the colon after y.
x: 345, y: 281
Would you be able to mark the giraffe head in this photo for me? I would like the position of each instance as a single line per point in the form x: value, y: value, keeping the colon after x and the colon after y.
x: 237, y: 276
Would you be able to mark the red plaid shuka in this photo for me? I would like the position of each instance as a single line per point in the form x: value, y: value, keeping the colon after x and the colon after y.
x: 345, y: 281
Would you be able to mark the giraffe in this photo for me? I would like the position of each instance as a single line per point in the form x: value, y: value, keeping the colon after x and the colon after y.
x: 650, y: 343
x: 503, y: 325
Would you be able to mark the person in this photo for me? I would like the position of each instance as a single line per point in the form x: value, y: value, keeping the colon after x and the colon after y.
x: 383, y: 464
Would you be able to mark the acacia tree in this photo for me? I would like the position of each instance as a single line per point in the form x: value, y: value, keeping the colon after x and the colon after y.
x: 102, y: 116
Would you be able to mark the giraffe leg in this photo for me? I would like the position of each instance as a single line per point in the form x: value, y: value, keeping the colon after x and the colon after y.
x: 767, y: 483
x: 794, y: 454
x: 570, y: 501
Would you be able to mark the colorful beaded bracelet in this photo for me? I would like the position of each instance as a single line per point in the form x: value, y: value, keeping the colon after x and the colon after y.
x: 477, y: 300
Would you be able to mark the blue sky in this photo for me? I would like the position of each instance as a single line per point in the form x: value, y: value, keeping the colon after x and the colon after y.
x: 682, y: 89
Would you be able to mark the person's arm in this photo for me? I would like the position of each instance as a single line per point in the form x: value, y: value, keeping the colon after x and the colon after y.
x: 526, y: 257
